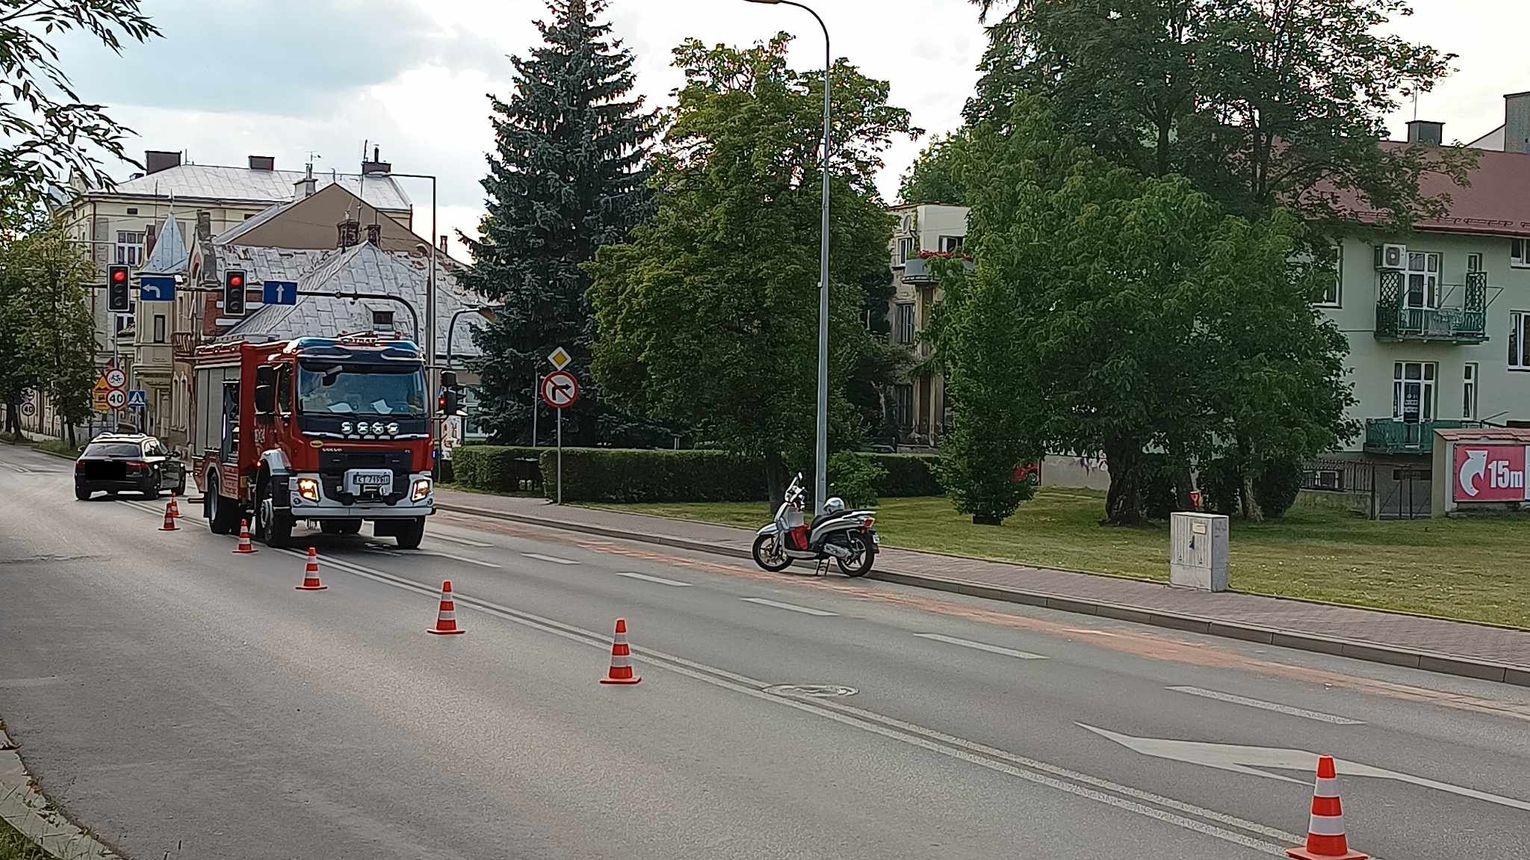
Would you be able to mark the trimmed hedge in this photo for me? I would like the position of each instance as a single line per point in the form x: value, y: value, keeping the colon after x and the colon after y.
x: 616, y: 475
x: 497, y: 468
x: 659, y: 475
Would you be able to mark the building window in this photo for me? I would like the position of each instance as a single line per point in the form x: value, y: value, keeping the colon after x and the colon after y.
x: 382, y: 320
x: 1519, y: 340
x: 1423, y: 280
x: 906, y: 249
x: 132, y: 210
x: 125, y: 321
x: 159, y: 328
x: 905, y: 323
x: 130, y: 247
x: 1325, y: 479
x: 1474, y: 263
x: 903, y: 405
x: 1413, y: 391
x: 1333, y: 292
x: 1519, y: 254
x: 952, y: 244
x: 1469, y: 378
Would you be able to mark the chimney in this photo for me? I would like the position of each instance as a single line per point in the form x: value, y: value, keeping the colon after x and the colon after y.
x: 443, y: 244
x: 262, y: 162
x: 155, y: 160
x: 375, y: 167
x: 374, y: 234
x: 1516, y: 122
x: 350, y: 233
x: 305, y: 187
x: 1425, y: 132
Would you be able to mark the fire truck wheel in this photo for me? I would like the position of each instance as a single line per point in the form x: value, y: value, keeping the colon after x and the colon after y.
x: 273, y: 526
x: 410, y: 534
x: 222, y: 513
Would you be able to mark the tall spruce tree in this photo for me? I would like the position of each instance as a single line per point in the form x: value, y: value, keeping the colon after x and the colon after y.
x: 566, y: 177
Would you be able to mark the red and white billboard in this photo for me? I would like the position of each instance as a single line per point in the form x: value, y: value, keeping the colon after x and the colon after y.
x: 1491, y: 473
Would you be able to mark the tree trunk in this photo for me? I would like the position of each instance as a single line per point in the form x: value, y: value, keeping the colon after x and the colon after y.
x: 1251, y: 510
x: 1184, y: 485
x: 1123, y: 503
x: 775, y: 480
x: 69, y: 436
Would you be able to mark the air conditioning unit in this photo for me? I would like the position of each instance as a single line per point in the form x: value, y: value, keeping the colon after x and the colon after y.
x: 1391, y: 256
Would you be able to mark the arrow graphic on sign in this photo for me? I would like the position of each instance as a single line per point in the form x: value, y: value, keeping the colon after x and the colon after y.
x: 1246, y: 760
x: 1474, y: 468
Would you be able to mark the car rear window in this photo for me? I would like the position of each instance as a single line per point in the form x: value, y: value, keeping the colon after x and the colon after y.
x: 113, y: 449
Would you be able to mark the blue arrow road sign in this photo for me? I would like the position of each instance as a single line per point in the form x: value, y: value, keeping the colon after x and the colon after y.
x: 156, y: 288
x: 137, y: 398
x: 280, y: 293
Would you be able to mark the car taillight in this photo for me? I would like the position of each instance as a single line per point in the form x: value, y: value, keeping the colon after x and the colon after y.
x: 867, y: 523
x: 79, y: 465
x: 137, y: 466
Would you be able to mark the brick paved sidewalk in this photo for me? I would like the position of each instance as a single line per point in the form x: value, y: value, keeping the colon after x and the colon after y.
x: 1446, y: 646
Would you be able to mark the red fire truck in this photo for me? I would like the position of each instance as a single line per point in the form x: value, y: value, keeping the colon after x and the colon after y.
x: 327, y: 430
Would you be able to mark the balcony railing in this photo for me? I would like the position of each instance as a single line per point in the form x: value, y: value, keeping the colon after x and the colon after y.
x: 1390, y: 436
x: 917, y: 270
x: 1460, y: 316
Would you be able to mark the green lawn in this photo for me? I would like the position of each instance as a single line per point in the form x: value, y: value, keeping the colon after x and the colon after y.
x: 1471, y: 569
x: 13, y: 846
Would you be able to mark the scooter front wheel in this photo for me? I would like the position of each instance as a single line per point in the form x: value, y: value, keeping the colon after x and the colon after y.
x: 769, y: 554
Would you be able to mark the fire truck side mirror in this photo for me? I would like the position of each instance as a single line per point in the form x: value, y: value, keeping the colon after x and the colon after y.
x: 265, y: 399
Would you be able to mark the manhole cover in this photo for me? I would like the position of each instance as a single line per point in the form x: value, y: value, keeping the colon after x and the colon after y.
x: 811, y: 691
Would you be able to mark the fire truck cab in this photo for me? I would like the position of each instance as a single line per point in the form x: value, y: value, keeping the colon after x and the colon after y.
x: 334, y: 431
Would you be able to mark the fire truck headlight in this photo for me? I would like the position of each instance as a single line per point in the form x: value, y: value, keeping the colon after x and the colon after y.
x: 393, y: 429
x: 345, y: 427
x: 308, y: 488
x: 421, y: 489
x: 377, y: 427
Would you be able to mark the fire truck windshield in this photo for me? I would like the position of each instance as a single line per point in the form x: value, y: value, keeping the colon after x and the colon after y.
x: 340, y: 389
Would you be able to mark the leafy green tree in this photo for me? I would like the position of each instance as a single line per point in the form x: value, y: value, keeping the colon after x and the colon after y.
x: 1111, y: 311
x: 46, y: 131
x: 709, y: 316
x: 47, y: 336
x: 934, y: 176
x: 566, y: 177
x: 1261, y: 105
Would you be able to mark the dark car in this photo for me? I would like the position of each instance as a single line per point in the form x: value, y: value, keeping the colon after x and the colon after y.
x: 117, y: 463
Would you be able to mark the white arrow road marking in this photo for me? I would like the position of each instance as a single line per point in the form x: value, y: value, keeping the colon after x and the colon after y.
x: 659, y: 579
x: 1268, y: 706
x: 1242, y: 759
x: 980, y: 646
x: 552, y: 558
x: 789, y: 607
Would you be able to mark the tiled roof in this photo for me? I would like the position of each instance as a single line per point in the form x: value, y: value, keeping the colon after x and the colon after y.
x: 268, y: 264
x: 1496, y: 202
x: 169, y: 254
x: 211, y: 182
x: 362, y: 269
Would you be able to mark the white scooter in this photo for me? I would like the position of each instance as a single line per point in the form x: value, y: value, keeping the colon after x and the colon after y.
x: 845, y: 537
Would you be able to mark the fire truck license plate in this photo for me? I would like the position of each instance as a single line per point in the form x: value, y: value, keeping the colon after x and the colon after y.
x: 371, y: 482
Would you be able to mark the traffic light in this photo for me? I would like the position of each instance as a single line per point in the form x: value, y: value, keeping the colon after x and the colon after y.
x: 119, y: 295
x: 450, y: 400
x: 233, y: 293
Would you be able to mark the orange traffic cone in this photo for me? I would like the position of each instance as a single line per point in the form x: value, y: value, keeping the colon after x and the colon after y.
x: 175, y: 509
x: 311, y: 573
x: 446, y: 618
x: 621, y: 658
x: 244, y: 547
x: 1325, y: 831
x: 169, y: 525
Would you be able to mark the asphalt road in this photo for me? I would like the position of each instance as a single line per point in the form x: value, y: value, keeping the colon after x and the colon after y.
x: 173, y: 697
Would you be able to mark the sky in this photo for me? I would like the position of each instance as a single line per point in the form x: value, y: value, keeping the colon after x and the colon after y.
x: 290, y: 78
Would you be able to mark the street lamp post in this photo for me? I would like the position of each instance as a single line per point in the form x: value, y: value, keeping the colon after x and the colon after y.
x: 821, y: 458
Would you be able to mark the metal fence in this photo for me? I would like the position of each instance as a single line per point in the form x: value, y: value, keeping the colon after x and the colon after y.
x: 1381, y: 490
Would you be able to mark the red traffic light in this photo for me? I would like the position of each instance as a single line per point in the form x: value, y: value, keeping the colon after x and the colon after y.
x: 119, y: 276
x: 236, y: 280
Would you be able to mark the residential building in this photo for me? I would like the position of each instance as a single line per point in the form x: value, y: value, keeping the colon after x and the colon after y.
x: 922, y: 230
x: 119, y: 223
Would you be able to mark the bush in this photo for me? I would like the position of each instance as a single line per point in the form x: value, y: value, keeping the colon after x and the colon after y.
x: 1222, y: 487
x: 907, y: 474
x: 1159, y: 493
x: 1277, y: 486
x: 497, y: 468
x: 983, y: 485
x: 856, y: 478
x: 616, y: 475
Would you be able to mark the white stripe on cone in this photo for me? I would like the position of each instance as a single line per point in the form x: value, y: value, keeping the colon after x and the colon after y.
x: 1326, y: 825
x: 1326, y: 787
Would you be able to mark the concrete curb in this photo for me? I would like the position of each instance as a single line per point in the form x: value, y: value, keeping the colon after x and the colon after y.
x: 24, y: 808
x: 1370, y: 651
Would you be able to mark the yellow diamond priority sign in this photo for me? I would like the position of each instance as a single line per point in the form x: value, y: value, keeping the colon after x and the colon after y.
x: 560, y: 358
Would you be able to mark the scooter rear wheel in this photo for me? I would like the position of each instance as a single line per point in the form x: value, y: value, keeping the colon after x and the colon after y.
x: 864, y: 554
x: 769, y: 554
